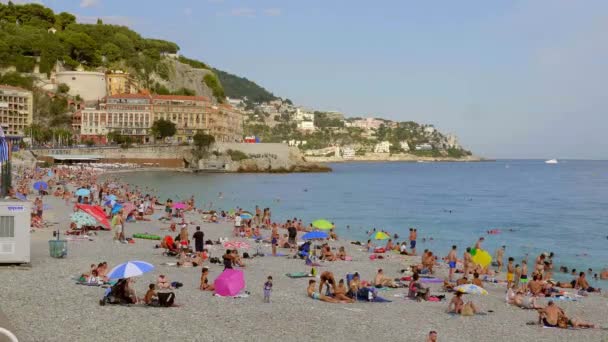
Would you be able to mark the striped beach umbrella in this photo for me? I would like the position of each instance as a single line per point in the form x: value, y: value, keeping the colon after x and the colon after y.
x: 130, y: 269
x: 471, y: 289
x: 381, y: 236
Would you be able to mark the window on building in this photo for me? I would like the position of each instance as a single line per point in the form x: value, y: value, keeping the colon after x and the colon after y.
x: 7, y: 226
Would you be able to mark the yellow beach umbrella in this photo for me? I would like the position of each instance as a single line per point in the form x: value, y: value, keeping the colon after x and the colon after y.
x: 482, y: 258
x: 381, y: 236
x: 322, y: 224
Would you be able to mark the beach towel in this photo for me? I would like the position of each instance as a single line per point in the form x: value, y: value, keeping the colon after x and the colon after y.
x: 431, y: 280
x: 299, y: 275
x: 146, y: 236
x: 240, y: 295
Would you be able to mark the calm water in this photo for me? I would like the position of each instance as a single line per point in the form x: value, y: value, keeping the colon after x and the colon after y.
x: 561, y: 208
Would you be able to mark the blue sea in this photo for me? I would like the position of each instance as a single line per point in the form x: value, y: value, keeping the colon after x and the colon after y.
x: 538, y: 207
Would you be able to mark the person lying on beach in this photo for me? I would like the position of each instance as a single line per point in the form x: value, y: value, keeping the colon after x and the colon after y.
x: 463, y: 280
x: 381, y: 280
x: 184, y: 260
x: 340, y: 292
x: 554, y: 317
x: 317, y: 295
x: 205, y: 286
x: 457, y: 305
x: 522, y: 301
x: 447, y: 286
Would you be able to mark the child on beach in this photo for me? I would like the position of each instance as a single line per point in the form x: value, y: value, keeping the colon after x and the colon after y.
x: 510, y: 271
x: 267, y: 289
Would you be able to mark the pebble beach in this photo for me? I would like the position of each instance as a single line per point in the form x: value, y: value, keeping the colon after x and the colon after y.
x: 44, y: 303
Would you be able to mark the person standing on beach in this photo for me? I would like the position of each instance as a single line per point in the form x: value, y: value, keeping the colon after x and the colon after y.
x: 466, y: 261
x: 120, y: 230
x: 292, y: 233
x: 267, y: 289
x: 452, y: 262
x: 274, y: 240
x: 478, y: 243
x: 499, y: 256
x: 523, y: 277
x: 413, y: 234
x: 199, y: 239
x: 510, y: 273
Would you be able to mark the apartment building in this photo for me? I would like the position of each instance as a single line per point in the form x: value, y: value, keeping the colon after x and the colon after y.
x: 16, y: 109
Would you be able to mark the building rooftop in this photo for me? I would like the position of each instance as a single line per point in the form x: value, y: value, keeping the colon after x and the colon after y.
x: 8, y: 87
x: 180, y: 97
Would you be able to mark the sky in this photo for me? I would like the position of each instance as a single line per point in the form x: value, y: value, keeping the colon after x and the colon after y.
x: 511, y: 78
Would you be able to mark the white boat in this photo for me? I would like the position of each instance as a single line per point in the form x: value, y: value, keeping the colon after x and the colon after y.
x: 551, y: 161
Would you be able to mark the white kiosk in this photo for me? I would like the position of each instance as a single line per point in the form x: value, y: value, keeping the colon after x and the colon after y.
x: 15, y: 221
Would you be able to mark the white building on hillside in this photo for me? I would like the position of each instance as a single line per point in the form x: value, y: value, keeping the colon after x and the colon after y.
x: 424, y: 147
x: 366, y: 124
x: 348, y: 153
x: 404, y: 146
x: 382, y: 147
x: 303, y: 115
x: 306, y: 125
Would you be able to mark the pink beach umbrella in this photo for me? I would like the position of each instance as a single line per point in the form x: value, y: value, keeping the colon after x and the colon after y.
x: 236, y: 245
x: 229, y: 283
x: 180, y: 205
x: 128, y: 207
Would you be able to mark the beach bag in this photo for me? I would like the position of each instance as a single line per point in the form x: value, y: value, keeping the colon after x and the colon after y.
x: 246, y: 255
x: 467, y: 310
x: 166, y: 299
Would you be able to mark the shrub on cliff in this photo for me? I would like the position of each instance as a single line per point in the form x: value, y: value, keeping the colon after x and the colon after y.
x: 237, y: 155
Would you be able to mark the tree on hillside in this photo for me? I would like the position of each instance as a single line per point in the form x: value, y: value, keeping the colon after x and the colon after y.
x: 163, y: 128
x: 63, y: 88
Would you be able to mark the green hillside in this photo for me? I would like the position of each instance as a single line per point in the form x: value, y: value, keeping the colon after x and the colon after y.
x: 239, y: 87
x: 26, y: 33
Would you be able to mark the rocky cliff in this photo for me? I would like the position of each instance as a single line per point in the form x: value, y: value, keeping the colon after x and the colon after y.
x: 180, y: 76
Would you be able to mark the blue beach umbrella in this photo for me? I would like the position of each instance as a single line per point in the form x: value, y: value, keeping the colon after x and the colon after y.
x: 83, y: 192
x: 109, y: 203
x: 315, y: 235
x: 246, y: 215
x: 116, y: 209
x: 41, y: 185
x: 111, y: 197
x: 130, y: 269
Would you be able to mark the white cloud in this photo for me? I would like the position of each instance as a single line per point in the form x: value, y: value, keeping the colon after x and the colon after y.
x: 272, y: 12
x: 111, y: 19
x: 242, y: 12
x: 188, y: 11
x: 89, y: 3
